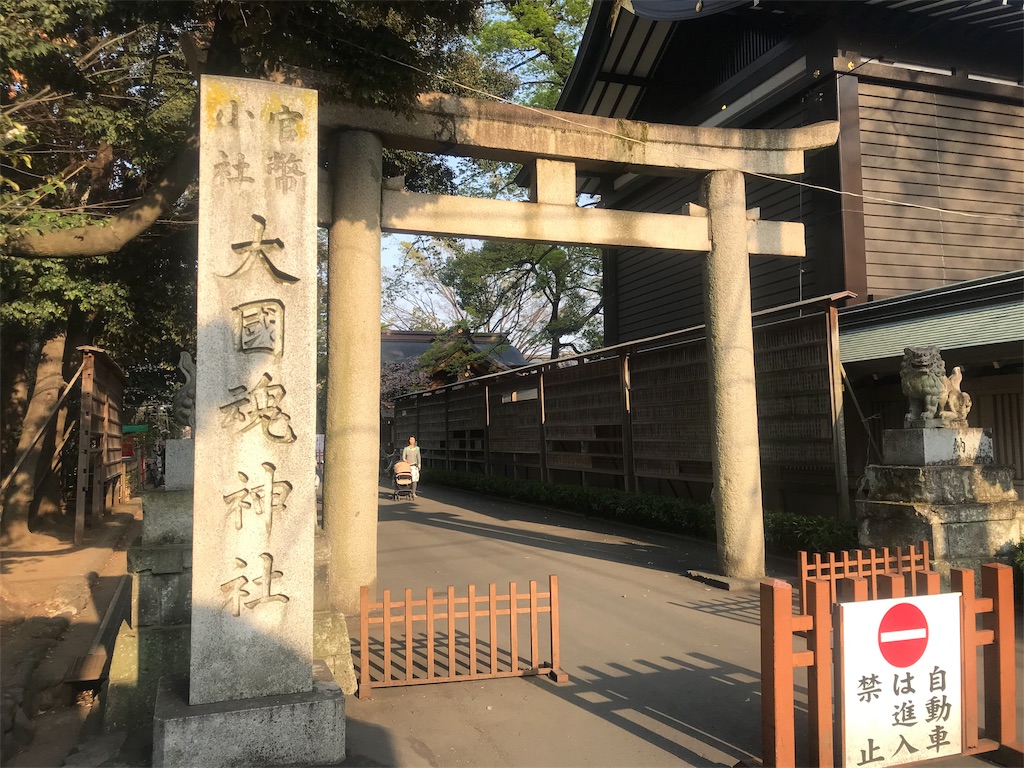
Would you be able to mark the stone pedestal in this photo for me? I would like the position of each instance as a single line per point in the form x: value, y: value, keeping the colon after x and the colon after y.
x: 305, y: 728
x: 157, y: 642
x: 179, y: 464
x: 930, y: 447
x: 941, y: 485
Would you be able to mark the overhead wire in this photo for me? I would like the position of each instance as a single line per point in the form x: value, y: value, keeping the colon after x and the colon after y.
x: 561, y: 116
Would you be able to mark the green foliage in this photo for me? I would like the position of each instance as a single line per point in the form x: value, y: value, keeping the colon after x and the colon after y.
x: 536, y: 41
x: 789, y: 532
x: 37, y: 29
x: 563, y: 283
x: 141, y: 308
x: 543, y: 298
x: 39, y: 292
x: 1018, y: 555
x: 452, y: 356
x: 785, y: 532
x: 97, y: 97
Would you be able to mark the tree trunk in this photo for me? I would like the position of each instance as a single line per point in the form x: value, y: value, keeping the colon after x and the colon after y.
x: 14, y: 386
x: 49, y: 481
x: 46, y: 501
x: 49, y: 383
x: 556, y: 336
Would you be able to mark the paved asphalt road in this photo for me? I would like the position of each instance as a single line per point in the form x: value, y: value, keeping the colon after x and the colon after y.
x: 662, y: 670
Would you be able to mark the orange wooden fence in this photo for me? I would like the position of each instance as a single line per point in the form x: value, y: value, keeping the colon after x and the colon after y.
x: 869, y: 564
x: 409, y: 657
x: 779, y: 659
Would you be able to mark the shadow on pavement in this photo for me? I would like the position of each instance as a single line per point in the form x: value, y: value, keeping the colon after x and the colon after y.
x: 675, y: 704
x: 363, y: 739
x: 744, y: 609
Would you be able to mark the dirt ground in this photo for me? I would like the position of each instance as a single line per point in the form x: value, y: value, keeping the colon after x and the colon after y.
x: 53, y: 596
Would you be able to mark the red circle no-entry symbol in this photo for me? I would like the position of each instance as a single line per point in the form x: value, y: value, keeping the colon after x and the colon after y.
x: 903, y: 635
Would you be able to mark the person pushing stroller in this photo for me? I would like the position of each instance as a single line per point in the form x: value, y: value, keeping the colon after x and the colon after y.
x: 411, y: 455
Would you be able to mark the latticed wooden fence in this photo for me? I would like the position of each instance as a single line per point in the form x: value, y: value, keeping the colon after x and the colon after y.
x: 869, y: 564
x: 479, y: 637
x: 815, y: 624
x: 635, y: 416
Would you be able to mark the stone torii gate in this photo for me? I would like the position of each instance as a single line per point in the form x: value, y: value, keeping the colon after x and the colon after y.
x: 557, y: 146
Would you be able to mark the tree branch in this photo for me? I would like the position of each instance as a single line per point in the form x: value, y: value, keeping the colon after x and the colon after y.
x: 102, y: 240
x: 113, y: 234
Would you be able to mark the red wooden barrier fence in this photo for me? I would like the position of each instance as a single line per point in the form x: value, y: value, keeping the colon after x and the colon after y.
x: 460, y: 648
x: 870, y: 564
x: 778, y: 658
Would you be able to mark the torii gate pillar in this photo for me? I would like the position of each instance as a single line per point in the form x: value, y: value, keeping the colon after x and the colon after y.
x: 353, y: 369
x: 736, y: 459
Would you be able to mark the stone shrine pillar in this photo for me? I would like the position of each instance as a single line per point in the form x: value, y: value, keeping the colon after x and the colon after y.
x: 253, y: 695
x: 938, y: 480
x: 736, y: 457
x: 352, y: 448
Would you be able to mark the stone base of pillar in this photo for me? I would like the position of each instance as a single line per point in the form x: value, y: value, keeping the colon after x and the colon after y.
x: 928, y: 447
x: 332, y: 645
x: 728, y: 583
x: 142, y: 657
x: 944, y: 485
x: 293, y: 729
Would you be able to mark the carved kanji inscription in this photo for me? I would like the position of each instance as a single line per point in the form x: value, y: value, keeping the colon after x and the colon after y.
x: 259, y: 326
x: 262, y: 499
x: 287, y: 121
x: 259, y: 405
x: 258, y: 251
x: 234, y: 591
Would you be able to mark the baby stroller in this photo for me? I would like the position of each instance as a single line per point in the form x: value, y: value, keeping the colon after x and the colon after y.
x: 403, y: 481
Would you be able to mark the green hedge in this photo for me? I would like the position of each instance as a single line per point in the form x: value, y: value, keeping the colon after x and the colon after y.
x: 785, y: 532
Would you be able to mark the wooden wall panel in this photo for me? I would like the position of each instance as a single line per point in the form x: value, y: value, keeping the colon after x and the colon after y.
x: 515, y: 421
x: 431, y: 435
x: 406, y: 422
x: 583, y: 417
x: 467, y: 424
x: 939, y: 151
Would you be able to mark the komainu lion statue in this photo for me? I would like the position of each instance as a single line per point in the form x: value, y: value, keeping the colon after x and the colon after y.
x: 932, y: 394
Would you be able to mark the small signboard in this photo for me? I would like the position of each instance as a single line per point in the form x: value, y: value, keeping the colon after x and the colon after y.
x: 900, y: 690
